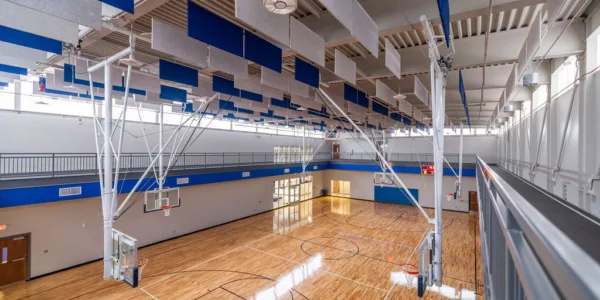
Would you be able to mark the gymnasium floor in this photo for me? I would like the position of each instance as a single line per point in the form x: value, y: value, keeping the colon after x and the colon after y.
x: 325, y: 248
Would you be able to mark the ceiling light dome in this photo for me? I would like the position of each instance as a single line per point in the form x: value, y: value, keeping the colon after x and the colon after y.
x: 281, y: 7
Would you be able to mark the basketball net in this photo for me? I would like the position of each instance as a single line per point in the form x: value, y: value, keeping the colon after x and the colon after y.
x: 166, y: 209
x: 141, y: 265
x: 410, y: 273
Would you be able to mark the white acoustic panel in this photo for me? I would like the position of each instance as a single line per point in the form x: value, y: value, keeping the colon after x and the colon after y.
x: 24, y: 53
x: 204, y: 89
x: 156, y: 107
x: 261, y: 106
x: 176, y: 42
x: 522, y: 61
x: 510, y: 84
x: 253, y: 13
x: 85, y: 12
x: 273, y: 79
x: 250, y: 83
x: 143, y: 82
x: 421, y: 91
x: 298, y: 88
x: 28, y: 20
x: 356, y: 110
x: 364, y: 29
x: 306, y: 42
x: 16, y: 62
x: 9, y: 76
x: 227, y: 62
x: 339, y: 100
x: 502, y: 100
x: 418, y: 115
x: 345, y: 67
x: 534, y: 38
x: 554, y: 9
x: 392, y: 59
x: 152, y: 98
x: 405, y: 107
x: 270, y: 92
x: 341, y: 11
x: 384, y: 93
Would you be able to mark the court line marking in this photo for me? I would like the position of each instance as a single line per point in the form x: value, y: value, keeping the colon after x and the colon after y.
x: 320, y: 270
x: 203, y: 262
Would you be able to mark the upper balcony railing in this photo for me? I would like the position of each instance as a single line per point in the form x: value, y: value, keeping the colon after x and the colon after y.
x: 43, y: 165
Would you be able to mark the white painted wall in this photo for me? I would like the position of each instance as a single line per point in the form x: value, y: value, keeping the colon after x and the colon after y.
x: 42, y: 133
x: 71, y: 231
x: 362, y: 187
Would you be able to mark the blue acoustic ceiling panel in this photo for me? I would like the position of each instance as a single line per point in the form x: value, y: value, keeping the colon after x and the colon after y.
x: 173, y: 94
x: 396, y: 116
x: 463, y: 96
x: 30, y: 40
x: 444, y: 8
x: 307, y: 73
x: 178, y: 73
x: 350, y: 93
x: 406, y: 121
x: 362, y: 99
x: 380, y: 109
x: 251, y: 96
x: 262, y: 52
x: 3, y: 84
x: 188, y: 107
x: 225, y: 86
x: 126, y: 5
x: 13, y: 70
x: 207, y: 27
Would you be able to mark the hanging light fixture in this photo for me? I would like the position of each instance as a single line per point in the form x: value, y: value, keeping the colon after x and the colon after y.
x: 281, y: 7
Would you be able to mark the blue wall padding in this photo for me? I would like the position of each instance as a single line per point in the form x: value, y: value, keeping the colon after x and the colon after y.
x: 262, y: 52
x: 378, y: 108
x: 126, y: 5
x: 396, y: 116
x: 307, y: 73
x: 362, y: 99
x: 392, y: 194
x: 207, y: 27
x: 444, y: 8
x: 177, y: 73
x: 251, y: 96
x: 350, y: 93
x: 13, y: 70
x: 30, y: 40
x: 463, y: 96
x: 225, y: 86
x: 172, y: 93
x: 3, y: 84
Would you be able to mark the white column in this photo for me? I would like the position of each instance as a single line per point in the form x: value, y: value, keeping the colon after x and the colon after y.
x: 160, y: 145
x: 438, y: 114
x: 107, y: 194
x: 460, y: 160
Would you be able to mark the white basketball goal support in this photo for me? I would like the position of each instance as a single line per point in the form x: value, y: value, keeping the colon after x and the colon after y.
x: 460, y: 163
x: 438, y: 94
x: 381, y: 157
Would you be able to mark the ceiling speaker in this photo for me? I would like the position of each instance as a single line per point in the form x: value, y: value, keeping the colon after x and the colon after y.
x: 281, y: 7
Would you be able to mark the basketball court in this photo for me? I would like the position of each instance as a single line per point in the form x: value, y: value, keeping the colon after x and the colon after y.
x: 325, y: 248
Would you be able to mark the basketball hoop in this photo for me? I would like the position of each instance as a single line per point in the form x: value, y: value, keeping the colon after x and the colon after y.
x: 410, y: 273
x: 450, y: 196
x: 166, y: 209
x: 141, y: 265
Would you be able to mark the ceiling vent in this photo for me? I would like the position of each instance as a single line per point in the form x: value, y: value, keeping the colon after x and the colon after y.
x: 281, y: 7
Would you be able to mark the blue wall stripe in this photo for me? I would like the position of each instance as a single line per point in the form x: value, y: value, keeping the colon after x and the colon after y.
x: 392, y: 194
x: 307, y: 73
x: 178, y: 73
x: 30, y: 40
x: 13, y: 69
x: 225, y: 86
x: 126, y: 5
x: 207, y: 27
x: 262, y: 52
x: 171, y: 93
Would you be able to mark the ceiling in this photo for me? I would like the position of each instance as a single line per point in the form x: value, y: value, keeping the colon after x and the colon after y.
x: 398, y: 22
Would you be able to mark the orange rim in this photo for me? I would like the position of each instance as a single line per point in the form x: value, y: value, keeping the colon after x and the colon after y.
x: 407, y: 268
x: 165, y: 207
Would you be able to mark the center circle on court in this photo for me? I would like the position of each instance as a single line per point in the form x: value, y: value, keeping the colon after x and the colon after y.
x: 330, y: 248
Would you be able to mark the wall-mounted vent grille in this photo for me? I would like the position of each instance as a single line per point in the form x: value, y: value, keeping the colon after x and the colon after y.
x: 70, y: 191
x: 286, y: 170
x: 183, y: 180
x: 245, y: 174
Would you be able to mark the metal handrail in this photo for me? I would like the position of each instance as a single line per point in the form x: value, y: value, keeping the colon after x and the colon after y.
x: 524, y: 254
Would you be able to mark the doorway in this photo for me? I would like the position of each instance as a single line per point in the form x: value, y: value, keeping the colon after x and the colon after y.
x: 340, y: 188
x: 14, y: 263
x: 336, y: 151
x: 473, y: 204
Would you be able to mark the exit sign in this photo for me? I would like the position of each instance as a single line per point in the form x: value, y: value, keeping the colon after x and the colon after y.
x: 3, y: 227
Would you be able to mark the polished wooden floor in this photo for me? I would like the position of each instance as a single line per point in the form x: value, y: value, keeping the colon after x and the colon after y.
x: 325, y: 248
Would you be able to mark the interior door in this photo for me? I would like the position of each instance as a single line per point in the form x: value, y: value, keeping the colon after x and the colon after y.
x: 336, y: 151
x: 473, y: 205
x: 14, y: 260
x: 335, y: 186
x: 346, y: 188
